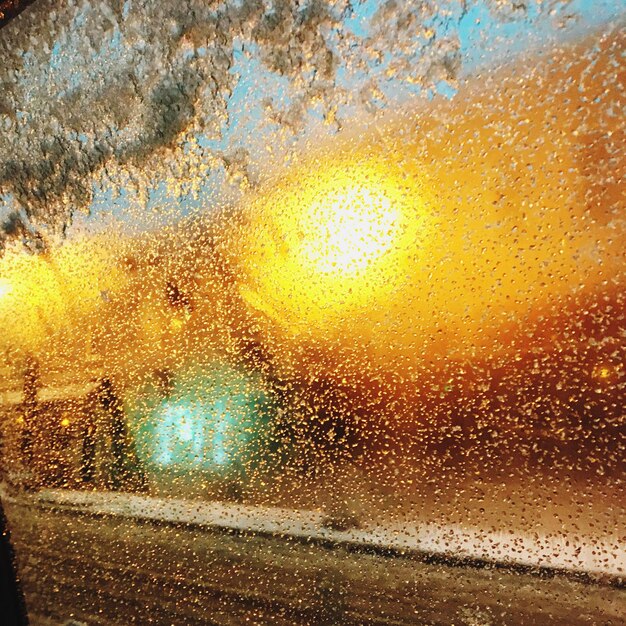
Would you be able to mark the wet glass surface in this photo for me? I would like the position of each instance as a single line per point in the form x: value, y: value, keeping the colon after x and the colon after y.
x: 313, y: 312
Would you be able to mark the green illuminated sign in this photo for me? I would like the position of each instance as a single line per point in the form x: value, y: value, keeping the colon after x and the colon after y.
x: 214, y: 420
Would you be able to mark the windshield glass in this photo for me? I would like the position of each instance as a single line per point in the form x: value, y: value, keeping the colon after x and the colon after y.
x: 313, y: 312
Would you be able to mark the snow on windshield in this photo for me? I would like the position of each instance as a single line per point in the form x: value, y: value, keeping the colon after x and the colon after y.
x: 161, y: 102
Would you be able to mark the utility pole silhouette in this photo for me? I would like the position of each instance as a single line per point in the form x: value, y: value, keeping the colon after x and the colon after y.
x: 126, y: 471
x: 29, y: 403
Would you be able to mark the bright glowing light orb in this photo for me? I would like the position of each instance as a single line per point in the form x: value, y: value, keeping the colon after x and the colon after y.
x: 348, y: 229
x: 329, y: 245
x: 5, y: 287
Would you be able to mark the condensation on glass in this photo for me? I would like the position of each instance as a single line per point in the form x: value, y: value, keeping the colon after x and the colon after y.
x: 313, y: 312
